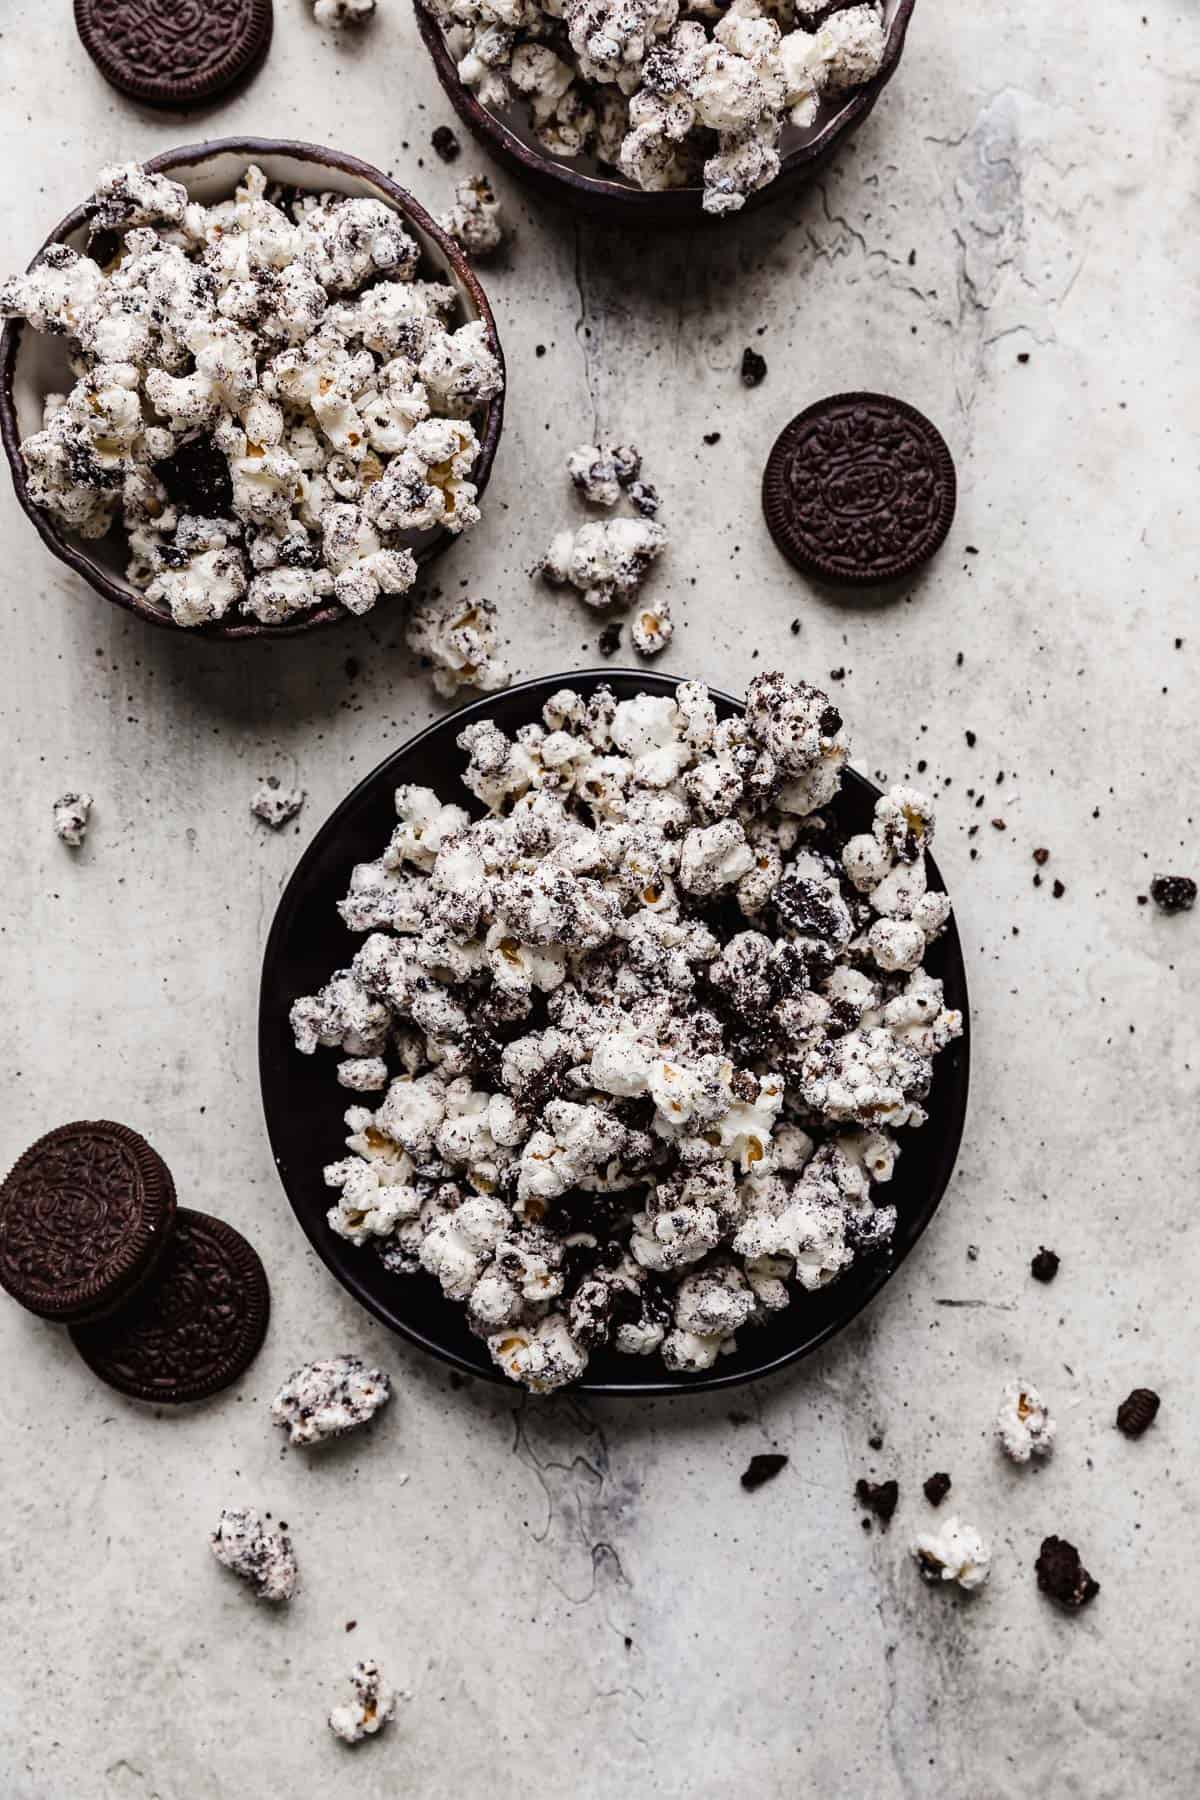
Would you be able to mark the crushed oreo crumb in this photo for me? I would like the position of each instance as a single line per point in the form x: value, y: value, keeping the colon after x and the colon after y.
x: 609, y: 641
x: 445, y: 143
x: 1044, y: 1266
x: 1058, y: 890
x: 754, y: 368
x: 879, y: 1497
x: 1041, y: 857
x: 712, y: 437
x: 1138, y: 1412
x: 762, y: 1469
x: 936, y: 1488
x: 1062, y: 1576
x: 1173, y: 893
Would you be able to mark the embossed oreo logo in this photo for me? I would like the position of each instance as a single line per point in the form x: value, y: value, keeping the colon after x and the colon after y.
x: 866, y: 486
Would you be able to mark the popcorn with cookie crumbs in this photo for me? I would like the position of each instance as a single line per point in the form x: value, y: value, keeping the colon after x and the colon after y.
x: 277, y: 806
x: 699, y: 100
x: 957, y: 1552
x: 72, y: 813
x: 287, y: 345
x: 476, y: 221
x: 602, y: 472
x: 1023, y: 1423
x: 606, y: 560
x: 247, y: 1547
x: 457, y: 637
x: 644, y: 1065
x: 373, y: 1705
x: 327, y: 1399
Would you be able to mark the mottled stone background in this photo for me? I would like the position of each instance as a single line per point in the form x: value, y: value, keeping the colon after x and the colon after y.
x: 579, y: 1597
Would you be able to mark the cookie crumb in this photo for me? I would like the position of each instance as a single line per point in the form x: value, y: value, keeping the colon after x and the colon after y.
x: 1173, y: 893
x: 1138, y: 1412
x: 762, y: 1469
x: 712, y: 437
x: 754, y: 368
x: 879, y: 1497
x: 1062, y: 1576
x: 1041, y: 857
x: 609, y: 641
x: 1045, y: 1265
x: 445, y: 143
x: 936, y: 1488
x: 1058, y: 890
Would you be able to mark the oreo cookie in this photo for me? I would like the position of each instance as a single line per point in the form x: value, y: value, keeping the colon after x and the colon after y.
x: 85, y: 1217
x: 174, y: 53
x: 859, y: 489
x: 195, y: 1329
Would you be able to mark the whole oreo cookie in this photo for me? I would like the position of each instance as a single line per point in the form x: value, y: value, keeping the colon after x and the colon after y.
x: 859, y: 489
x: 195, y: 1329
x: 85, y: 1217
x: 175, y: 53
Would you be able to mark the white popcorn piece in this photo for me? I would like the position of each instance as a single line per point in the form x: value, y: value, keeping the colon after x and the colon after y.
x: 72, y: 813
x: 606, y: 560
x: 954, y: 1552
x: 476, y: 220
x: 1023, y: 1423
x: 458, y: 637
x: 264, y: 1558
x: 541, y: 1358
x: 327, y: 1399
x: 276, y: 806
x: 253, y: 344
x: 373, y: 1705
x: 363, y: 1074
x: 602, y: 472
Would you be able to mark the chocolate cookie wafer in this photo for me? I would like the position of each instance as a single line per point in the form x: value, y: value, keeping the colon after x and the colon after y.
x: 174, y: 53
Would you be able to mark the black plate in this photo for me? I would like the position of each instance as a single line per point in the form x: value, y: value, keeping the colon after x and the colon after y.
x: 304, y: 1104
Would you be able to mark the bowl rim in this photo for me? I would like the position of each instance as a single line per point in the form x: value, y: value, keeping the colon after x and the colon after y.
x: 876, y: 1275
x: 168, y: 162
x: 613, y: 193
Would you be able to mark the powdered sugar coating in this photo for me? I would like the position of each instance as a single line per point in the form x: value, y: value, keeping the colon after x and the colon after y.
x: 270, y: 399
x: 670, y: 94
x: 644, y: 1065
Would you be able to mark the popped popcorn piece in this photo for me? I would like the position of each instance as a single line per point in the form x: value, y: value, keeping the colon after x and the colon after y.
x: 71, y: 815
x: 264, y: 1558
x: 373, y: 1704
x: 458, y: 637
x: 619, y: 1119
x: 602, y: 472
x: 606, y: 559
x: 476, y: 220
x: 276, y: 806
x: 652, y: 628
x: 269, y: 399
x: 326, y: 1399
x: 1023, y: 1423
x: 955, y: 1552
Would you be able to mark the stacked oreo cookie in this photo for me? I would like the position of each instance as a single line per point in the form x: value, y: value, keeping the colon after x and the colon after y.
x: 163, y: 1303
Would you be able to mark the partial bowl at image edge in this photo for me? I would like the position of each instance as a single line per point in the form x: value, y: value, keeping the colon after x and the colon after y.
x: 618, y: 201
x: 274, y: 155
x: 303, y: 1104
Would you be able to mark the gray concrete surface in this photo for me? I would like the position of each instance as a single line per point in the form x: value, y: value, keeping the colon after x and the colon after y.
x: 579, y: 1598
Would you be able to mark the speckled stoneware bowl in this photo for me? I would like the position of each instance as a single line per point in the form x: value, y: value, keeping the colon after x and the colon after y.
x: 584, y: 186
x: 32, y: 365
x: 304, y: 1105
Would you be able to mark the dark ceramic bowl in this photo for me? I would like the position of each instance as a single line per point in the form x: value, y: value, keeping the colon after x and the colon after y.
x: 583, y: 186
x: 32, y: 366
x: 304, y: 1105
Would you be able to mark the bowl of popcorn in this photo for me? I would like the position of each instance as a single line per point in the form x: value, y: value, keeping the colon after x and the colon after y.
x: 654, y: 112
x: 249, y: 388
x: 614, y: 1034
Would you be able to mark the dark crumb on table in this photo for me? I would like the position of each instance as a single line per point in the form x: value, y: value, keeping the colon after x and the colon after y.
x: 629, y: 1643
x: 539, y: 349
x: 1041, y: 858
x: 875, y: 1441
x: 1044, y: 1266
x: 762, y: 1469
x: 609, y: 641
x: 1138, y: 1412
x: 351, y: 1624
x: 1022, y: 356
x: 1062, y: 1576
x: 1173, y: 893
x: 1058, y: 890
x: 754, y: 368
x: 445, y: 143
x: 972, y: 549
x: 999, y: 825
x: 795, y: 628
x: 837, y: 674
x: 879, y: 1497
x: 712, y: 437
x: 972, y: 1252
x: 936, y: 1488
